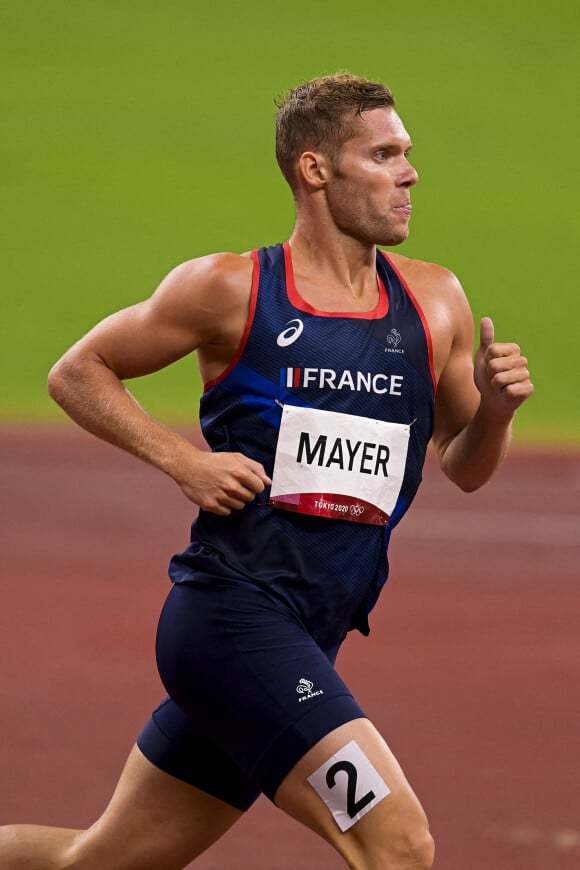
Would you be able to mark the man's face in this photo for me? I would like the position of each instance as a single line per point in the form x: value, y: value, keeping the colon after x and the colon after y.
x: 368, y: 191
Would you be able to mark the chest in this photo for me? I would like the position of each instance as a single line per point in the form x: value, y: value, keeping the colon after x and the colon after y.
x: 319, y: 355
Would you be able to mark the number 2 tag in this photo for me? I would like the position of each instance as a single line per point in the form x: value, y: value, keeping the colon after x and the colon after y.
x: 349, y: 785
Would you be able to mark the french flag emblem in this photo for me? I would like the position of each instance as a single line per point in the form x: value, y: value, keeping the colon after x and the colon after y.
x: 290, y: 377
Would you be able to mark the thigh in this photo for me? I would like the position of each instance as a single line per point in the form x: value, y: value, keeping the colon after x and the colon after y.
x: 153, y: 821
x: 250, y: 676
x: 351, y: 790
x: 174, y: 743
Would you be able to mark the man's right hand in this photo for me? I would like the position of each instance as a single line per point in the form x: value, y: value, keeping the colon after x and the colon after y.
x: 222, y: 482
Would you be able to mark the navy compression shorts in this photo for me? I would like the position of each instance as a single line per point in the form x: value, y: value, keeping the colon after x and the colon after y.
x: 249, y: 691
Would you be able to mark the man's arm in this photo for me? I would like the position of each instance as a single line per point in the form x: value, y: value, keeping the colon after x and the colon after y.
x: 201, y: 304
x: 476, y: 401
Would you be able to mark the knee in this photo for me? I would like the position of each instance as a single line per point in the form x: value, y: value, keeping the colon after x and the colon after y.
x: 410, y: 848
x: 413, y: 849
x: 95, y: 849
x: 416, y: 850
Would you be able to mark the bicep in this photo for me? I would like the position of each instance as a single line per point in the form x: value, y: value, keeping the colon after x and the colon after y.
x: 137, y: 341
x: 148, y: 336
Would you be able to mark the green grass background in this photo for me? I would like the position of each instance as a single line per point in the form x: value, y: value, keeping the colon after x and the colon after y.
x: 136, y: 135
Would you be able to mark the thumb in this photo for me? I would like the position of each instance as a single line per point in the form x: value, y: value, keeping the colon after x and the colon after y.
x: 486, y: 332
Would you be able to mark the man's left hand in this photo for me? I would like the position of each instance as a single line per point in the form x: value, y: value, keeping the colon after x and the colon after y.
x: 501, y: 373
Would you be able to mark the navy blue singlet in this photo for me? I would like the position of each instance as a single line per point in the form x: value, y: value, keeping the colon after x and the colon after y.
x: 376, y: 364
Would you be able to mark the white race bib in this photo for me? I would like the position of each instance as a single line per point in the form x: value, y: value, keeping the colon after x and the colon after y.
x: 338, y: 465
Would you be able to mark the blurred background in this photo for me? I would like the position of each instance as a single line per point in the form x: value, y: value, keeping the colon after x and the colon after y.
x: 136, y: 135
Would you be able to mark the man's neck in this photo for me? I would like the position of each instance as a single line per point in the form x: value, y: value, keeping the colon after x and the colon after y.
x: 334, y: 273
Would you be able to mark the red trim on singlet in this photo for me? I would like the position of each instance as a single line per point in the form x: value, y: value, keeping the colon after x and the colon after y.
x: 247, y: 327
x: 421, y: 315
x: 297, y: 301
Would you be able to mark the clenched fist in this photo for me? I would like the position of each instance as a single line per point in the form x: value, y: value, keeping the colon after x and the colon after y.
x: 222, y: 482
x: 501, y: 373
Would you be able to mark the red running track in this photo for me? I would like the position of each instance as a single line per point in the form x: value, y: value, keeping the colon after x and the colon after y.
x: 472, y: 669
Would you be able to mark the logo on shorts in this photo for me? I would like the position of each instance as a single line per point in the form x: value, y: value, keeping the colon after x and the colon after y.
x: 304, y: 688
x: 356, y: 509
x: 291, y: 333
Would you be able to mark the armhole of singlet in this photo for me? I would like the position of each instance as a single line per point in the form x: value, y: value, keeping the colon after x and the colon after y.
x: 421, y: 314
x: 380, y: 309
x: 247, y: 327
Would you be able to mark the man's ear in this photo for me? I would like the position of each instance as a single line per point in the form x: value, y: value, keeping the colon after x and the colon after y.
x: 312, y: 169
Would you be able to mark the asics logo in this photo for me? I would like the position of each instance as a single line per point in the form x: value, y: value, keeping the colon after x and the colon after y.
x: 291, y: 333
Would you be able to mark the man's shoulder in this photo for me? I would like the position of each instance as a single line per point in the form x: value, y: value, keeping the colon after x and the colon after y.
x: 214, y: 276
x: 215, y: 284
x: 436, y: 288
x: 217, y: 265
x: 421, y: 272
